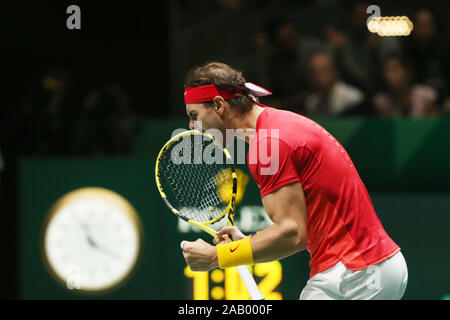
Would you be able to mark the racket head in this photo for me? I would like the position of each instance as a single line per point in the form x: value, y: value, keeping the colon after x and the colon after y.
x: 195, y: 179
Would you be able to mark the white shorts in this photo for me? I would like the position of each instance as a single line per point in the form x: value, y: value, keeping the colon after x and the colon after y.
x: 384, y: 281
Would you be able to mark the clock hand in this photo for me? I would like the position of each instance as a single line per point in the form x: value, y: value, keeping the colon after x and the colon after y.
x: 108, y: 251
x: 92, y: 242
x: 95, y: 244
x: 86, y: 230
x: 88, y: 233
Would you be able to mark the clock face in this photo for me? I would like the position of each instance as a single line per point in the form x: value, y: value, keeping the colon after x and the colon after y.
x: 92, y: 239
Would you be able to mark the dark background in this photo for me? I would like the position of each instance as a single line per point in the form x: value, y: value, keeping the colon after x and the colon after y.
x: 125, y: 42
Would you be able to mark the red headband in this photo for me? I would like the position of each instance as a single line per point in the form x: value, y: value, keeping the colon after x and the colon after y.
x: 207, y: 93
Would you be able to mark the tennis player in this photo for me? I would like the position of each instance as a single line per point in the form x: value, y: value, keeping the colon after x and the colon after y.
x: 310, y: 189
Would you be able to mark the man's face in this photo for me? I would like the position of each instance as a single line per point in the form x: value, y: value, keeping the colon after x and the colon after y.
x: 322, y: 72
x: 287, y: 37
x: 424, y: 24
x: 395, y: 74
x: 208, y: 116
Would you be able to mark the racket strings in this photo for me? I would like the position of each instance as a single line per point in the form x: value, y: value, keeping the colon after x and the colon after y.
x: 199, y: 191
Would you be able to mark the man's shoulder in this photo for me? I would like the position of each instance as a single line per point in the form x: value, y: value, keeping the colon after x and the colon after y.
x: 282, y: 119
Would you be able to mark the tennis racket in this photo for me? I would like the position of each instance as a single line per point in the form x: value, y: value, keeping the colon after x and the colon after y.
x: 198, y: 186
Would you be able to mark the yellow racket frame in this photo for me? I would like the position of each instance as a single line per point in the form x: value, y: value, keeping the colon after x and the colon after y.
x: 231, y: 205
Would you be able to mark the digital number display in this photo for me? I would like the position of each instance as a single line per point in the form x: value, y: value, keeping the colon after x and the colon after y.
x: 226, y: 284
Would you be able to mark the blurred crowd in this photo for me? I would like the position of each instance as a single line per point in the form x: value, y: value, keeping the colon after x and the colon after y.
x: 350, y: 71
x: 340, y: 70
x: 55, y: 118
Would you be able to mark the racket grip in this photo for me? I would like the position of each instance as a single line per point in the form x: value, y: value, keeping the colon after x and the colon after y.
x: 249, y: 283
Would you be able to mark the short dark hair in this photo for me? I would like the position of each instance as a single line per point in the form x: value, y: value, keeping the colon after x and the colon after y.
x: 223, y: 77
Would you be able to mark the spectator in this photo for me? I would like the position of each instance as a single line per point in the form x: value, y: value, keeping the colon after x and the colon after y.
x: 282, y: 68
x: 358, y: 52
x: 330, y: 96
x: 104, y: 126
x: 402, y: 97
x: 427, y: 48
x: 47, y: 113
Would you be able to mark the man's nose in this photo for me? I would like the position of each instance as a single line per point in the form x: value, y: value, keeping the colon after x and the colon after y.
x: 191, y: 124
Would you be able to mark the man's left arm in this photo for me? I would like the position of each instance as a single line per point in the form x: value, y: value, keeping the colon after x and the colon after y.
x: 284, y: 202
x: 287, y: 235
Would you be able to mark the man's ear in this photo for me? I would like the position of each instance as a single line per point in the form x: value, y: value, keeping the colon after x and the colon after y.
x: 219, y: 103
